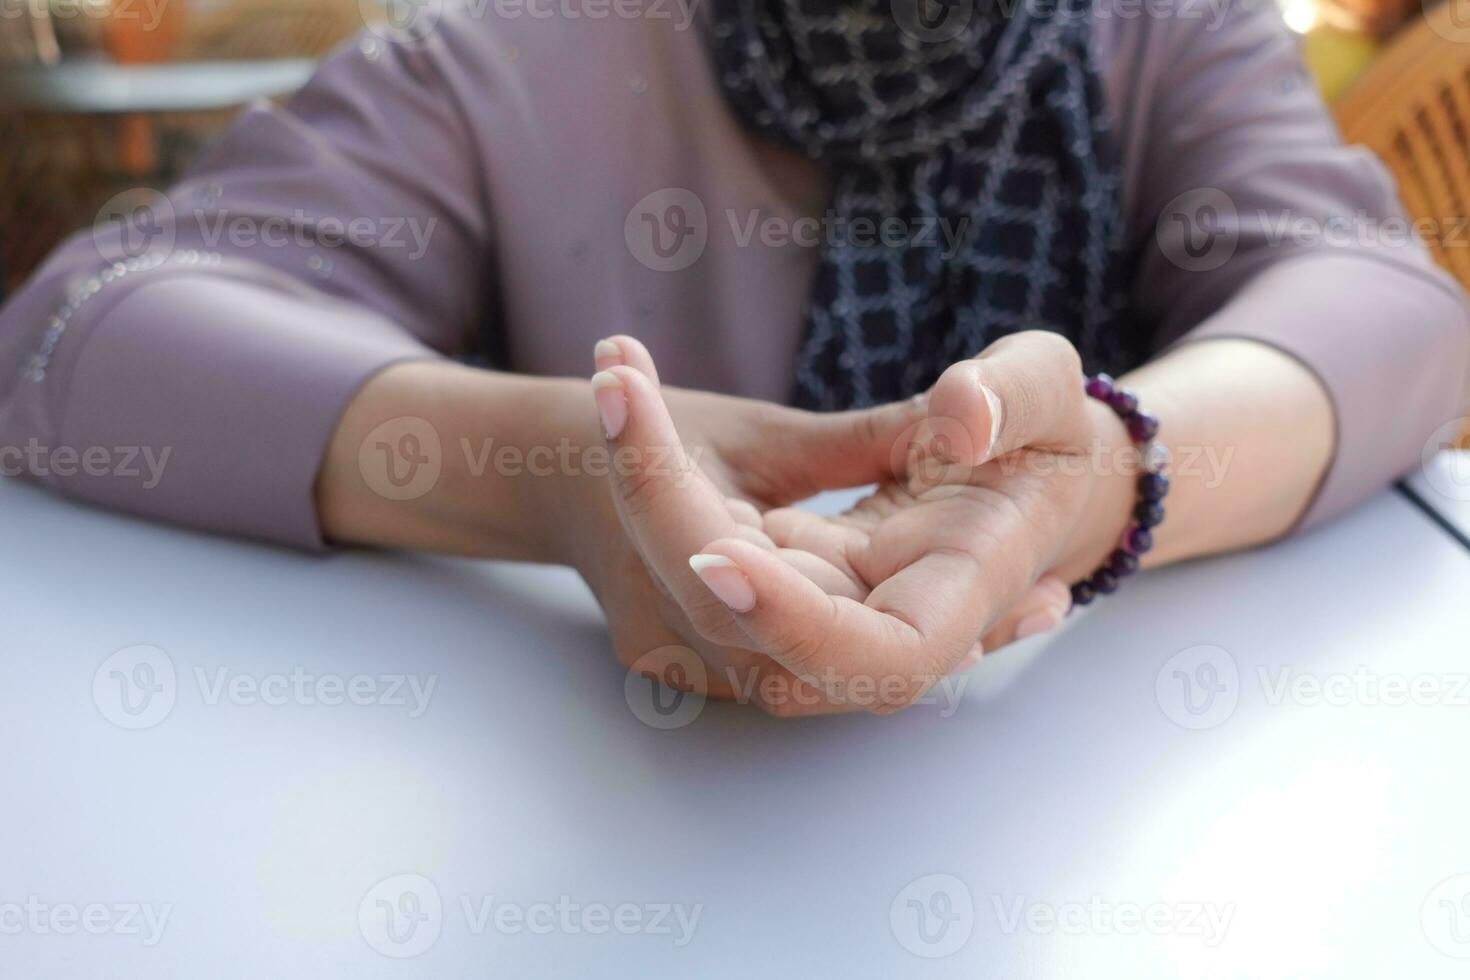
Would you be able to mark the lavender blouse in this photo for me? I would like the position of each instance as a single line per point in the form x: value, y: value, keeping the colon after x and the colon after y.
x: 505, y: 176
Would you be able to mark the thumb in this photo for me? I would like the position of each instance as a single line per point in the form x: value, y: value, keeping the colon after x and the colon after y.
x: 1023, y: 390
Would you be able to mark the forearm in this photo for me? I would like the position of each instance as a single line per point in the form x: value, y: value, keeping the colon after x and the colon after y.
x: 1250, y: 431
x: 504, y: 447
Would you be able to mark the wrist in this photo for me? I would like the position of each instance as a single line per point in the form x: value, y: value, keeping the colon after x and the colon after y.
x: 433, y: 455
x: 1114, y: 466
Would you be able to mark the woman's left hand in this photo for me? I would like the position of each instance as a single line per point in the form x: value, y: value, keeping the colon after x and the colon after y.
x: 1014, y: 473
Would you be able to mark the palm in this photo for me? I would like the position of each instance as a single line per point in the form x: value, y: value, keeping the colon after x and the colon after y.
x: 971, y: 512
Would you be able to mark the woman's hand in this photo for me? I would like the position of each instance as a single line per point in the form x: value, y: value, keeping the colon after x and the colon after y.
x: 1009, y: 472
x: 690, y: 468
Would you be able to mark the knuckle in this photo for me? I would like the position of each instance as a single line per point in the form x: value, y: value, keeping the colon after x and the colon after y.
x: 641, y: 491
x: 800, y: 650
x: 713, y: 623
x: 865, y: 428
x: 1024, y: 402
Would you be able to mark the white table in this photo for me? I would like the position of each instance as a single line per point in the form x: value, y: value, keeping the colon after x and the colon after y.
x: 1073, y: 779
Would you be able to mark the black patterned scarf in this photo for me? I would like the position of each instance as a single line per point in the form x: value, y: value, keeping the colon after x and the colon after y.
x: 974, y: 191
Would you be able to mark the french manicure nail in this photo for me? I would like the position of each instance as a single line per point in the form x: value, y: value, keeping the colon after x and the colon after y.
x: 607, y: 355
x: 1035, y: 623
x: 993, y: 400
x: 725, y: 579
x: 612, y: 402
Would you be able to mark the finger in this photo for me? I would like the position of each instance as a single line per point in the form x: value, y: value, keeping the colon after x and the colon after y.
x: 622, y: 349
x: 890, y: 649
x: 744, y: 512
x: 755, y: 536
x: 804, y: 531
x: 666, y: 505
x: 828, y: 577
x: 803, y: 453
x: 1041, y: 609
x: 1023, y: 390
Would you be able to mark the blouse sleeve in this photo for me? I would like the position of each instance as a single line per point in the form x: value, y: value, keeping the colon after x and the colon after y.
x: 1255, y: 221
x: 222, y: 330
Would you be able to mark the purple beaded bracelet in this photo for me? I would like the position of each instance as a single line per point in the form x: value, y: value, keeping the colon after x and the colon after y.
x: 1153, y: 487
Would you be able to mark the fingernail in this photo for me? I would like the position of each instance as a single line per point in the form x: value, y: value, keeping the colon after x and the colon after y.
x: 612, y: 402
x: 993, y: 400
x: 725, y: 579
x: 607, y: 355
x: 1036, y: 623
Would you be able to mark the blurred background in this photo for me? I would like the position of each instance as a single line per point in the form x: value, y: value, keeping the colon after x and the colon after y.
x: 103, y: 96
x: 98, y: 97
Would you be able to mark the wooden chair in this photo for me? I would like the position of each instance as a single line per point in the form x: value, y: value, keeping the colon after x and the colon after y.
x: 1412, y: 108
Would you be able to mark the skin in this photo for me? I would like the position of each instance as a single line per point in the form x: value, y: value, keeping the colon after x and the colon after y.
x: 967, y: 542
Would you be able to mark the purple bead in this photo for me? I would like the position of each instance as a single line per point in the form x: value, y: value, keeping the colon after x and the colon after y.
x: 1082, y: 593
x: 1103, y: 582
x: 1137, y: 540
x: 1124, y: 402
x: 1099, y: 386
x: 1149, y: 513
x: 1153, y: 486
x: 1142, y: 426
x: 1122, y: 564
